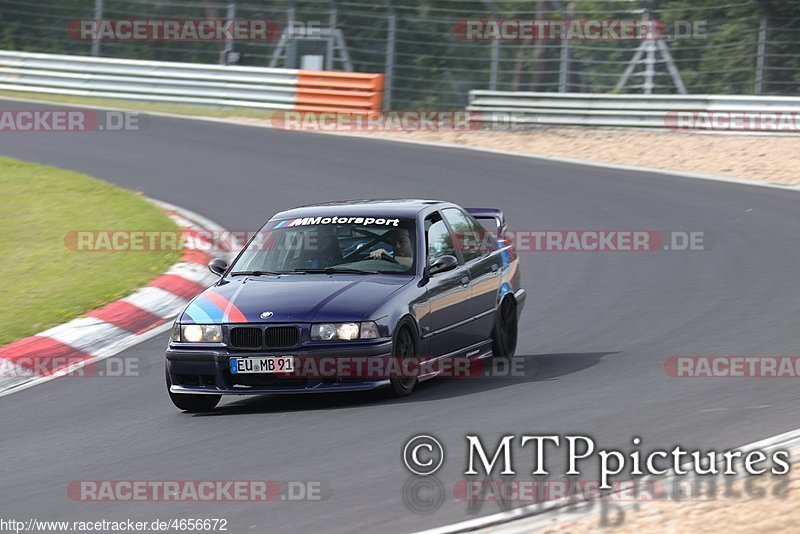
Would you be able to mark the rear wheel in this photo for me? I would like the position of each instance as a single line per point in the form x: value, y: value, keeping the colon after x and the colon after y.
x: 504, y: 335
x: 192, y: 403
x: 403, y: 347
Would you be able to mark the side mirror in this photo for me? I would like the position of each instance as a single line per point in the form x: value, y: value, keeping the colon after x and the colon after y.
x: 218, y: 266
x: 443, y: 264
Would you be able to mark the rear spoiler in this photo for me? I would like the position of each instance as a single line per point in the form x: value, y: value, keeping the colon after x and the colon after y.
x: 490, y: 218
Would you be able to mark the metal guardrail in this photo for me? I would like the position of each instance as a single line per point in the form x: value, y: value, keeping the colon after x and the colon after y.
x: 191, y: 83
x: 613, y: 110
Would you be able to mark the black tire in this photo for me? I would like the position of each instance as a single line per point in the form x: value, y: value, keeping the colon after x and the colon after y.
x: 403, y: 346
x: 192, y: 403
x: 504, y: 334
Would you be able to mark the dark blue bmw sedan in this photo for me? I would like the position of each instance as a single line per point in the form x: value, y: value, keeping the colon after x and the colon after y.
x: 327, y: 297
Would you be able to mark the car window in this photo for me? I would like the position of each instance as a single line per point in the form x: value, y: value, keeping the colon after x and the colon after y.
x: 346, y: 243
x: 469, y: 235
x: 439, y: 240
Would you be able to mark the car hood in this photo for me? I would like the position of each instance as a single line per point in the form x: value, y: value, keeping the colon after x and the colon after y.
x: 292, y: 298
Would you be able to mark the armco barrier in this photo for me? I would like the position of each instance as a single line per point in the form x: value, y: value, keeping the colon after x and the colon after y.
x: 191, y: 83
x: 612, y: 110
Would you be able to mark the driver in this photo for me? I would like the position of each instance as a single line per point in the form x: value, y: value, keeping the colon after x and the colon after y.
x: 403, y: 252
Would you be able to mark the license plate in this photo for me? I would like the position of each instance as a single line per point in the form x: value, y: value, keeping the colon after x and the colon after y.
x: 262, y: 364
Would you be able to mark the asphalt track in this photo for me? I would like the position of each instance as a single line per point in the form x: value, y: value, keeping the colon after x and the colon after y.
x: 596, y: 331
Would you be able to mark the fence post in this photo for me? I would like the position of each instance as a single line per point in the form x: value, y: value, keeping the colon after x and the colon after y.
x: 495, y: 64
x: 227, y: 51
x: 330, y: 51
x: 291, y: 45
x: 98, y: 14
x: 761, y: 55
x: 391, y: 37
x: 649, y: 66
x: 563, y: 69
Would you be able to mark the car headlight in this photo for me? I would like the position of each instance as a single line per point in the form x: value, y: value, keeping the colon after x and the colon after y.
x: 200, y: 333
x: 369, y: 330
x: 343, y: 331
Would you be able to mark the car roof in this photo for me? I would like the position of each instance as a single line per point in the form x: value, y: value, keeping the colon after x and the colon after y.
x: 403, y: 207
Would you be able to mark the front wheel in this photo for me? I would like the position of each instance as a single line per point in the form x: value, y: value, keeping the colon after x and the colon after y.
x: 402, y: 348
x: 504, y: 335
x: 192, y: 403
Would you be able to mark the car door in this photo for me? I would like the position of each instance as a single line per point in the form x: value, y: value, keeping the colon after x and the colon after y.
x: 448, y: 292
x: 484, y: 271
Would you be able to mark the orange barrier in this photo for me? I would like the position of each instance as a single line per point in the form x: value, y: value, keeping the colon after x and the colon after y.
x: 327, y: 91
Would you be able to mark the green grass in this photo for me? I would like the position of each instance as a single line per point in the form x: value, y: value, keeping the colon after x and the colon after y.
x: 42, y: 281
x: 157, y: 107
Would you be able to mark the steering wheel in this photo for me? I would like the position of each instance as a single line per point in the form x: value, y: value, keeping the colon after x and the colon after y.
x: 386, y: 257
x: 361, y: 250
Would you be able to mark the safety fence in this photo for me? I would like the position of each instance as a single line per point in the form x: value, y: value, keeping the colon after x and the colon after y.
x: 191, y: 83
x: 697, y: 112
x: 709, y: 47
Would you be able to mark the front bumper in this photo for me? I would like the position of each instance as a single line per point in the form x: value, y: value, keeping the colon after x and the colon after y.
x: 207, y: 372
x: 520, y: 295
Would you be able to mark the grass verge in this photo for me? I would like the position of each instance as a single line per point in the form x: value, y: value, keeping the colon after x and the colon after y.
x: 43, y: 282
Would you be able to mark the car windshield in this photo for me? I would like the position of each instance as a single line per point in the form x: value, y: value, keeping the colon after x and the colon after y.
x: 351, y: 244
